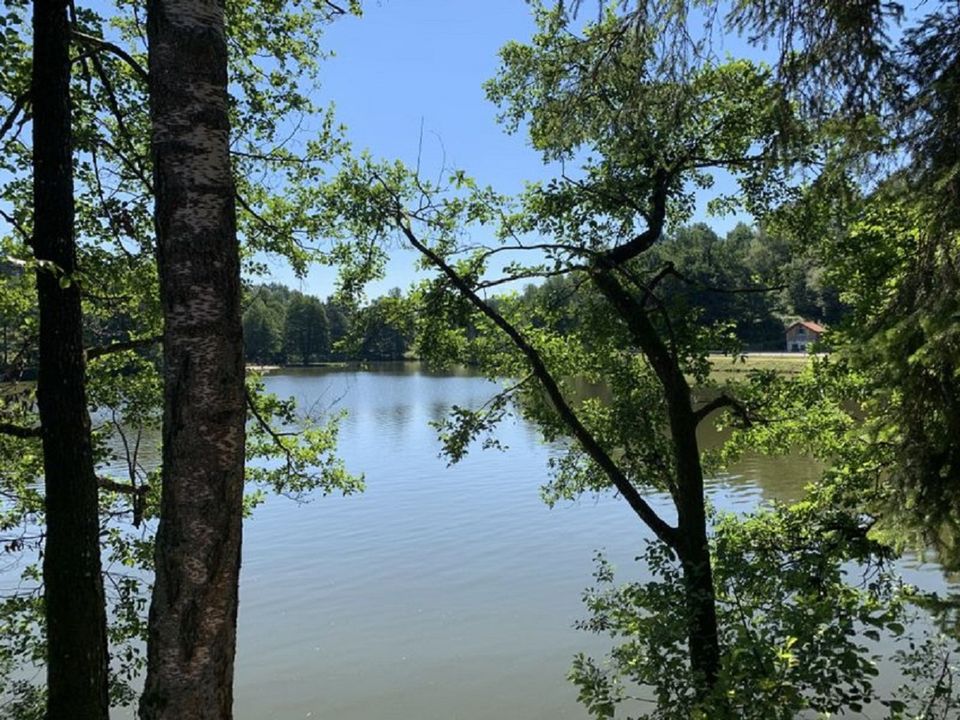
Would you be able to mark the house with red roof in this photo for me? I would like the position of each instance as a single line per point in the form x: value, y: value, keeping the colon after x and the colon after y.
x: 802, y: 334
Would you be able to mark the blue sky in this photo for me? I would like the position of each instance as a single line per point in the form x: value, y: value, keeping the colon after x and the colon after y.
x: 412, y: 63
x: 407, y: 62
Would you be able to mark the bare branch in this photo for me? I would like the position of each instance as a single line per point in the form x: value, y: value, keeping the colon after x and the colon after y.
x: 527, y: 276
x: 519, y: 246
x: 16, y: 226
x: 724, y: 401
x: 123, y: 488
x: 19, y: 103
x: 671, y: 270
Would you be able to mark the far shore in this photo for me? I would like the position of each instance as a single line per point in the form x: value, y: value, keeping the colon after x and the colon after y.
x: 266, y: 369
x: 786, y: 363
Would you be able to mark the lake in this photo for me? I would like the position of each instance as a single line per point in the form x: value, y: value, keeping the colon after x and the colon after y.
x: 439, y: 593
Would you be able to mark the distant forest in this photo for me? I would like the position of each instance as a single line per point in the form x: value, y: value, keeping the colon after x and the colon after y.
x: 752, y: 285
x: 286, y: 327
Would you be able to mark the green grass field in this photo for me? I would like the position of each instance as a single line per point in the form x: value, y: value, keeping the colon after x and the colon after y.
x: 785, y: 363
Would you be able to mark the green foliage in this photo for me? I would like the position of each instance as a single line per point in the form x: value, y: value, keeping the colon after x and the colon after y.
x: 385, y: 328
x: 284, y: 326
x: 639, y: 122
x: 262, y: 332
x: 801, y: 626
x: 883, y: 217
x: 291, y: 452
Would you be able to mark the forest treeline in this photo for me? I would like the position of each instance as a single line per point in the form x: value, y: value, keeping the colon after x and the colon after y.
x: 775, y: 285
x: 287, y: 327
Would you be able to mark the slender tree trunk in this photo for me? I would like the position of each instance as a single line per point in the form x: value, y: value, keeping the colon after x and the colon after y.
x: 694, y: 551
x: 73, y: 585
x: 703, y: 636
x: 193, y: 613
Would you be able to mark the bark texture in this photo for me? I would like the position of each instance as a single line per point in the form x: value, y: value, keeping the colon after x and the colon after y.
x: 73, y: 585
x: 193, y: 613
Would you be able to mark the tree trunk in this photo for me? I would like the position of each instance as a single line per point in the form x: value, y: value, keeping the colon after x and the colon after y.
x: 694, y: 551
x: 693, y: 548
x: 192, y: 635
x: 73, y: 585
x: 703, y: 637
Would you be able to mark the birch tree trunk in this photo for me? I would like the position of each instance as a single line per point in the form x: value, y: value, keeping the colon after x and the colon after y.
x: 193, y: 613
x: 73, y: 585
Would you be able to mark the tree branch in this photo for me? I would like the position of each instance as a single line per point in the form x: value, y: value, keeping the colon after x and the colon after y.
x: 587, y: 441
x: 643, y: 331
x: 483, y: 285
x: 17, y: 226
x: 269, y: 226
x: 19, y: 103
x: 724, y: 401
x: 138, y: 492
x: 655, y: 221
x: 337, y: 9
x: 102, y: 44
x: 123, y: 488
x: 18, y: 431
x: 277, y: 437
x: 101, y: 350
x: 670, y: 269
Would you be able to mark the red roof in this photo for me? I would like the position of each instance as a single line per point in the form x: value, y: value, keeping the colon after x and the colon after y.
x: 809, y: 325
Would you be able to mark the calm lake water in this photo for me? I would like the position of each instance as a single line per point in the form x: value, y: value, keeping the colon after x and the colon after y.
x: 439, y: 593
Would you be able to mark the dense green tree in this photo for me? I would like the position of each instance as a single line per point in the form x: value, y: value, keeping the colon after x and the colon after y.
x: 750, y: 282
x: 287, y: 326
x: 883, y: 215
x: 385, y: 328
x: 713, y: 275
x: 339, y: 319
x: 263, y: 332
x: 306, y: 334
